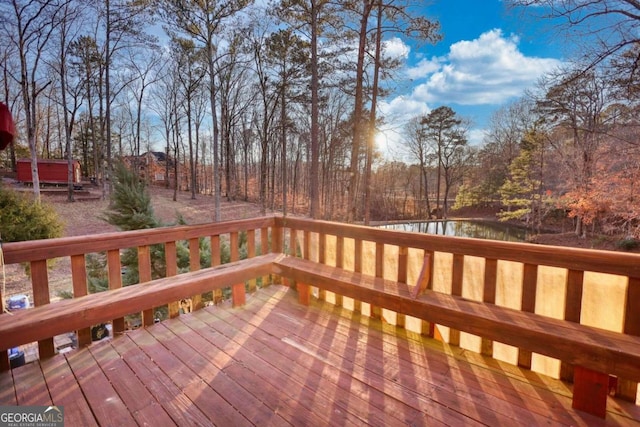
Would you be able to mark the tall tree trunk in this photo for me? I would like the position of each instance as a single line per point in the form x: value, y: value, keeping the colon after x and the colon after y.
x: 314, y: 208
x: 372, y: 119
x: 357, y: 113
x: 107, y: 82
x: 217, y: 188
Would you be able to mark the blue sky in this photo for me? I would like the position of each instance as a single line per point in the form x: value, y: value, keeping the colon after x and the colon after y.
x: 488, y: 57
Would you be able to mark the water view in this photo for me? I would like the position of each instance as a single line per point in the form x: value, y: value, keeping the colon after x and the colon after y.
x: 477, y: 229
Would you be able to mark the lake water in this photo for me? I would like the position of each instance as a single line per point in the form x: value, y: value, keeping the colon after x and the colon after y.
x: 477, y: 229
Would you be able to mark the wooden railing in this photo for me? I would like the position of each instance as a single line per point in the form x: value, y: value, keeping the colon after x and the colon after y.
x: 38, y: 254
x: 595, y: 288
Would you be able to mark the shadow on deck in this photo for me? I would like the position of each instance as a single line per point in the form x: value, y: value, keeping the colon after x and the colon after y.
x: 276, y: 362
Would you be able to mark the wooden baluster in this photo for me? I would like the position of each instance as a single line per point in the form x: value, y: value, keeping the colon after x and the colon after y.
x: 276, y: 247
x: 216, y: 260
x: 339, y: 263
x: 457, y: 275
x: 322, y: 247
x: 40, y: 286
x: 529, y: 286
x: 238, y: 296
x: 114, y: 271
x: 376, y: 312
x: 264, y: 249
x: 425, y: 282
x: 291, y: 251
x: 79, y: 280
x: 276, y: 240
x: 403, y: 259
x: 293, y: 242
x: 194, y: 265
x: 625, y: 388
x: 306, y: 251
x: 572, y: 310
x: 489, y: 296
x: 357, y: 267
x: 171, y: 261
x: 251, y: 253
x: 304, y: 289
x: 144, y: 271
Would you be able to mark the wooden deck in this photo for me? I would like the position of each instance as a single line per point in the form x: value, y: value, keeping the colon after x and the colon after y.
x: 275, y: 362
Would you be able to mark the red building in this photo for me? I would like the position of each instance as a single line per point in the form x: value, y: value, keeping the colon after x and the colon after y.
x: 50, y: 171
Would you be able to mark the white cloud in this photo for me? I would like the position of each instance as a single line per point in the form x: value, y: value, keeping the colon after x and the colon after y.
x: 423, y: 68
x: 482, y: 73
x: 487, y: 70
x: 395, y: 48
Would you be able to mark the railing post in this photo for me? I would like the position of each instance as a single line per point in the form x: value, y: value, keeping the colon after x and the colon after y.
x: 322, y: 248
x: 291, y: 251
x: 79, y: 281
x: 276, y: 239
x: 238, y: 295
x: 276, y: 247
x: 403, y: 259
x: 114, y: 269
x: 304, y: 289
x: 144, y: 272
x: 457, y: 276
x: 171, y: 262
x: 625, y: 388
x: 376, y: 312
x: 293, y: 241
x: 572, y: 310
x: 194, y: 265
x: 339, y: 264
x: 590, y: 390
x: 489, y: 296
x: 306, y: 245
x: 357, y: 267
x: 251, y: 253
x: 216, y: 260
x: 424, y: 283
x: 40, y: 286
x: 529, y: 287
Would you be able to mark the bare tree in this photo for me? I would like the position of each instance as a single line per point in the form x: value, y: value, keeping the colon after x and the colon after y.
x: 603, y: 29
x: 574, y: 104
x: 29, y: 25
x: 203, y: 21
x: 70, y: 94
x: 418, y: 145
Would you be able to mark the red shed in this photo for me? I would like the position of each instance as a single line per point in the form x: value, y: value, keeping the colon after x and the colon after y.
x: 49, y: 171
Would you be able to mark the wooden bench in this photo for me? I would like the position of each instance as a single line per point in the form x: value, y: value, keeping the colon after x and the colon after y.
x: 49, y: 320
x: 594, y: 353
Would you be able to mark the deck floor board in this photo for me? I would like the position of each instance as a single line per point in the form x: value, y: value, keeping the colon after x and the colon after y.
x: 417, y: 368
x: 276, y: 362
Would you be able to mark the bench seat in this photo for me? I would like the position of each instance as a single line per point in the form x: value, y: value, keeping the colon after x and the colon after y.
x: 25, y: 326
x: 595, y: 353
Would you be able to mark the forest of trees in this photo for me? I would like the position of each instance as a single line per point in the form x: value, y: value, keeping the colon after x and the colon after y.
x: 277, y: 104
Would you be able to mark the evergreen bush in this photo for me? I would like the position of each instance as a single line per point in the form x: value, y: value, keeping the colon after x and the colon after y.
x: 21, y: 218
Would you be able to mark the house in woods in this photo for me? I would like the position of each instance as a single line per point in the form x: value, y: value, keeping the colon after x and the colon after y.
x: 152, y: 167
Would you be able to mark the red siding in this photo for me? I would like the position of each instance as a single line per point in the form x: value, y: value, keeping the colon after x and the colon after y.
x: 49, y: 171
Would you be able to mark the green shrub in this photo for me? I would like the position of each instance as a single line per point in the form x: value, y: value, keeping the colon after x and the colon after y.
x: 21, y: 218
x: 628, y: 244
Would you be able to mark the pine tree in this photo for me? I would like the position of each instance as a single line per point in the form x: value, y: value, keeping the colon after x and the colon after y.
x: 522, y: 192
x: 130, y: 207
